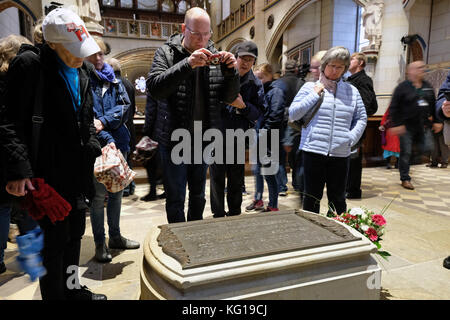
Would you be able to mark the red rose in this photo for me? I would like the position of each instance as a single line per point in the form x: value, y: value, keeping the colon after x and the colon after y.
x: 372, y: 234
x: 379, y: 220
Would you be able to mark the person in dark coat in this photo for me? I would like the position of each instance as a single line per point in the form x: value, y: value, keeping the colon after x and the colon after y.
x: 9, y: 47
x: 240, y: 114
x: 289, y: 137
x: 364, y: 84
x: 272, y: 119
x: 152, y: 166
x: 111, y: 107
x: 67, y: 147
x: 412, y: 113
x: 442, y: 112
x: 196, y: 90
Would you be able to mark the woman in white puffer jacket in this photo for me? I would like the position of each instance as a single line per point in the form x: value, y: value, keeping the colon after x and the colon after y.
x: 335, y: 128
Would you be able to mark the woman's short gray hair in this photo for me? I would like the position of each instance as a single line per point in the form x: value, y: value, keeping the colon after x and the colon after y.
x: 336, y: 53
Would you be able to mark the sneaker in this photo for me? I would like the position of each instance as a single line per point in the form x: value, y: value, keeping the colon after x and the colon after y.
x: 126, y: 192
x: 257, y: 205
x: 102, y: 254
x: 122, y: 243
x: 432, y: 165
x: 2, y: 268
x: 282, y: 193
x: 84, y: 294
x: 270, y: 209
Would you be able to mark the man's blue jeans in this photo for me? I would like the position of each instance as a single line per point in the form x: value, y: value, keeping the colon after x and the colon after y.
x: 281, y: 175
x: 97, y: 212
x: 176, y: 176
x: 272, y: 185
x: 4, y: 229
x: 422, y: 140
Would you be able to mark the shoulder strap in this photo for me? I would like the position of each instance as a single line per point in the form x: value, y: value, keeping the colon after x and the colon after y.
x: 38, y: 117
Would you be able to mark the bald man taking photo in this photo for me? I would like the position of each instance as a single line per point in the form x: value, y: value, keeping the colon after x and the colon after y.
x: 191, y: 81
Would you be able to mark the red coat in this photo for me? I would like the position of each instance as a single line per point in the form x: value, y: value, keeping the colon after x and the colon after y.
x: 392, y: 143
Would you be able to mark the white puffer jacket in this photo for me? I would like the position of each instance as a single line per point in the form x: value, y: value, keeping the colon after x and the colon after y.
x: 339, y: 123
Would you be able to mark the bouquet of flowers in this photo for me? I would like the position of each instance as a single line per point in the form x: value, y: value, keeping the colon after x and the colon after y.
x: 367, y: 223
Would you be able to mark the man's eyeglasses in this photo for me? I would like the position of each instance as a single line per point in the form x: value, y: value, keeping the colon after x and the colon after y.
x: 200, y: 34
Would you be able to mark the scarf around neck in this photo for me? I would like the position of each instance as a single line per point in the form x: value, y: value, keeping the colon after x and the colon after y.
x: 107, y: 73
x: 330, y: 85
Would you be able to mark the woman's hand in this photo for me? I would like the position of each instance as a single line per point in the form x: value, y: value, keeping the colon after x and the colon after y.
x: 318, y: 88
x: 113, y: 146
x: 446, y: 108
x: 98, y: 125
x: 238, y: 103
x: 17, y: 187
x: 437, y: 127
x: 381, y: 128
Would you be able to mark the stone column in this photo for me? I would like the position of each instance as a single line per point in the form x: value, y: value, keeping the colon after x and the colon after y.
x: 260, y: 26
x: 390, y: 67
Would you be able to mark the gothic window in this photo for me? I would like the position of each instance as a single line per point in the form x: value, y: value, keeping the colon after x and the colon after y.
x: 109, y: 3
x: 126, y: 3
x: 148, y: 4
x: 167, y: 6
x: 183, y: 6
x: 302, y: 53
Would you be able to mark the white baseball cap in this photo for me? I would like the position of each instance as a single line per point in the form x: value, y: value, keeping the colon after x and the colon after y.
x: 66, y: 27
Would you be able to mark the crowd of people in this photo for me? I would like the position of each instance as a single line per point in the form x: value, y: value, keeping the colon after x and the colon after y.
x: 61, y: 103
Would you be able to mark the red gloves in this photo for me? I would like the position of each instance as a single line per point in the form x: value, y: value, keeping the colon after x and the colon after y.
x: 46, y: 201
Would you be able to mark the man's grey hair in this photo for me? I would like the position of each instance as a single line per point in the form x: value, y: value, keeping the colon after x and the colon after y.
x: 336, y: 53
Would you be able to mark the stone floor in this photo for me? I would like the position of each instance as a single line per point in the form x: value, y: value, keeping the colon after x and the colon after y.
x: 417, y: 236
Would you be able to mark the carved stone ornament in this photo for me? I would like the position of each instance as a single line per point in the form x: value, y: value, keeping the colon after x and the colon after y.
x: 270, y: 21
x: 252, y: 32
x: 372, y: 21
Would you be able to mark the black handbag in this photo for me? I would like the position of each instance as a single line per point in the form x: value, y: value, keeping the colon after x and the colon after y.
x: 304, y: 121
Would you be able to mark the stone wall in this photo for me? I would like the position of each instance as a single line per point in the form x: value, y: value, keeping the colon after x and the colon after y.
x: 304, y: 27
x: 440, y: 33
x: 9, y: 22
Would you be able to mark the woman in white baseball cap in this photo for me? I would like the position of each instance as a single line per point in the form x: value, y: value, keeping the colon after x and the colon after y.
x: 49, y: 108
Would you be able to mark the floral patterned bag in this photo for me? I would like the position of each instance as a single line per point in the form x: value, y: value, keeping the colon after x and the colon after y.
x: 112, y: 170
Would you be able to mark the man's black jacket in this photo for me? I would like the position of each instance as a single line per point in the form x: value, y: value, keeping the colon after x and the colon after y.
x: 405, y: 110
x: 171, y: 83
x: 252, y: 92
x: 361, y: 81
x: 68, y: 145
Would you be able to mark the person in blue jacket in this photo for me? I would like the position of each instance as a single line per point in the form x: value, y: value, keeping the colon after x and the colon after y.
x: 272, y: 119
x: 111, y: 103
x: 240, y: 114
x: 443, y: 114
x: 336, y: 127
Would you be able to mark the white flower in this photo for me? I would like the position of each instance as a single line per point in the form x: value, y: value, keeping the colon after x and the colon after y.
x: 364, y: 227
x: 364, y: 216
x: 356, y: 211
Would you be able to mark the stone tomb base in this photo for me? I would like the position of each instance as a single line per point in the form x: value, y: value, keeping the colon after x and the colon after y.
x: 281, y: 255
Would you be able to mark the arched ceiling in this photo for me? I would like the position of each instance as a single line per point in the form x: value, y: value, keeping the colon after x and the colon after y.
x: 136, y: 63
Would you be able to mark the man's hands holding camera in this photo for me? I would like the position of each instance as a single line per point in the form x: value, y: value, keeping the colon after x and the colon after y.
x: 203, y: 57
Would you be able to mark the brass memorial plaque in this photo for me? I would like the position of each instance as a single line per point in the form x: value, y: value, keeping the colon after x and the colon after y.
x: 212, y: 241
